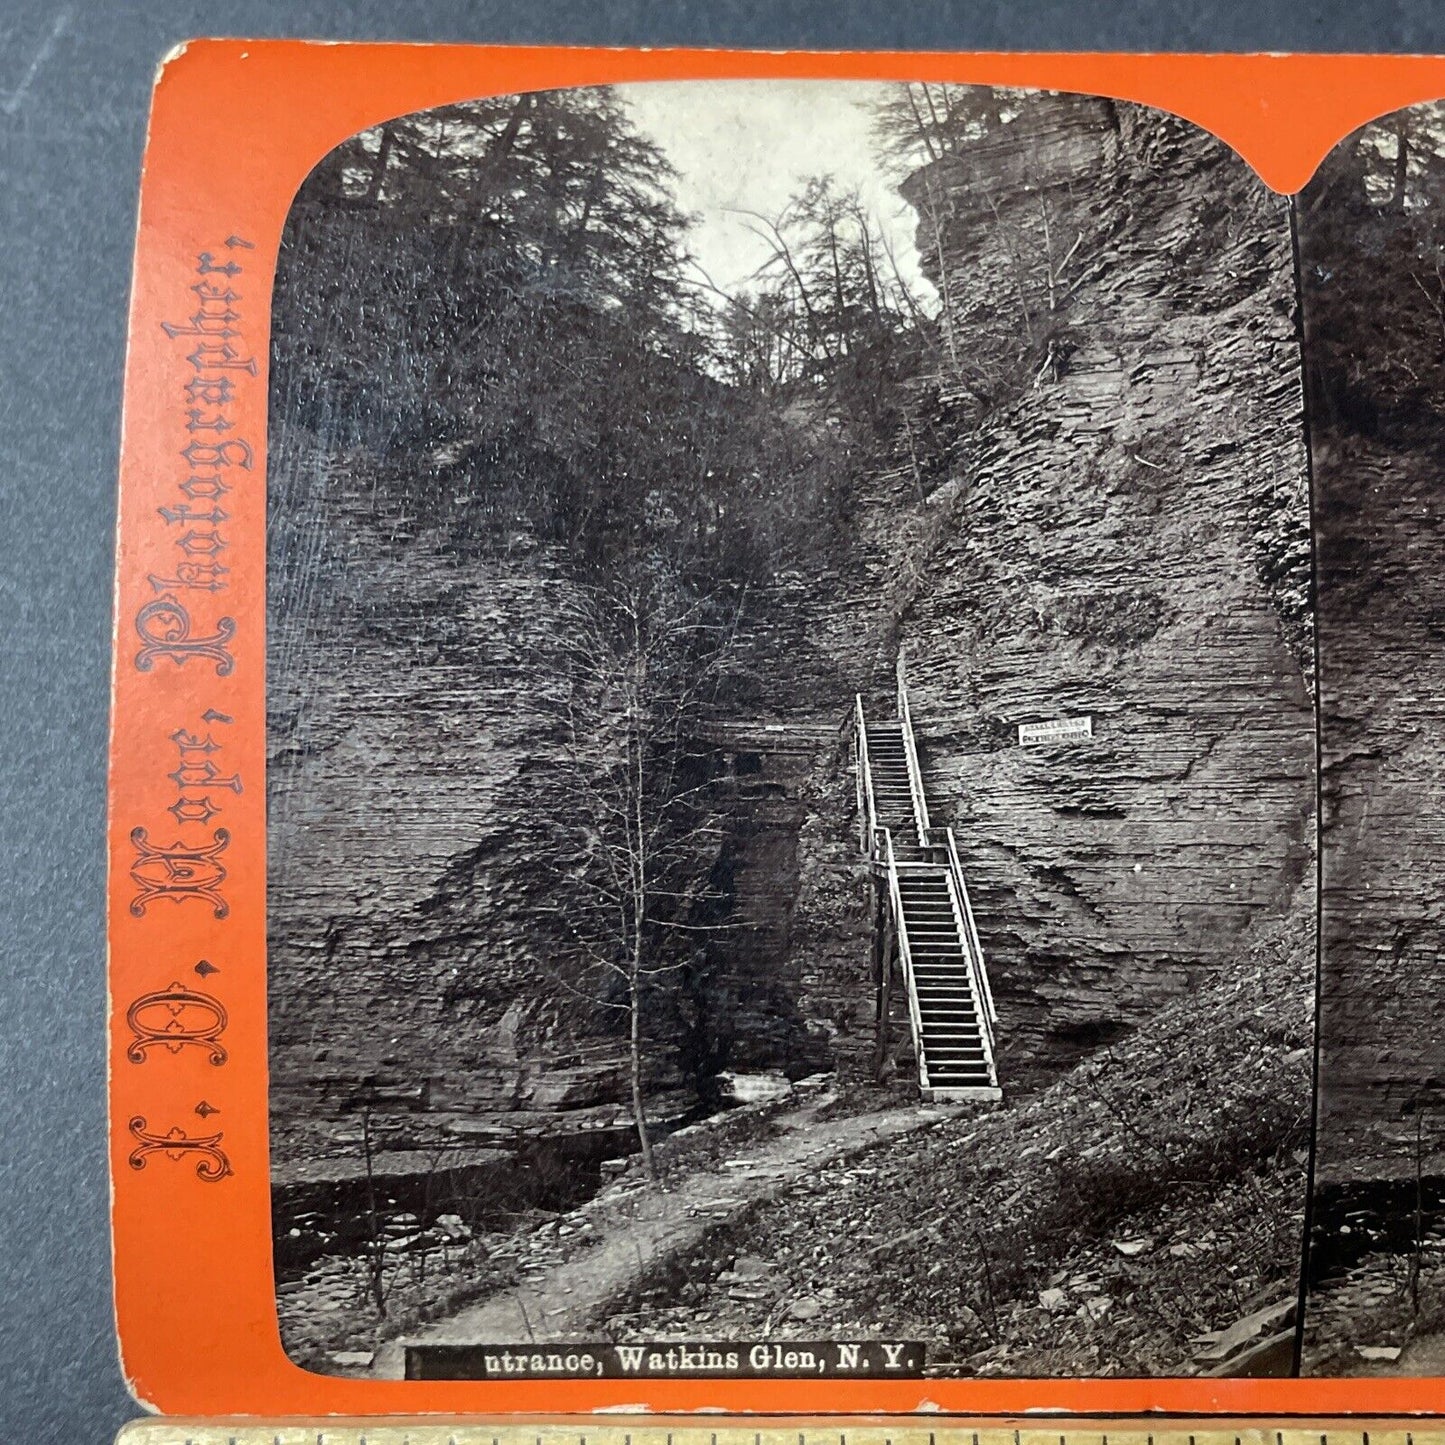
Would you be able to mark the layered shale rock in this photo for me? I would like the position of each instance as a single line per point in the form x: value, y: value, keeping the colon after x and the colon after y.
x: 407, y: 782
x: 1371, y: 277
x: 1127, y: 539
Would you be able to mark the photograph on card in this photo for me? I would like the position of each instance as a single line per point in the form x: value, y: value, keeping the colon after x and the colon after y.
x: 791, y: 739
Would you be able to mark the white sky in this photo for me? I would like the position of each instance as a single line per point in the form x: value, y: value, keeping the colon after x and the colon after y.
x: 751, y: 144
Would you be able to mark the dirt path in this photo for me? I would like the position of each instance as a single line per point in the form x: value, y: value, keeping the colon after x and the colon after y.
x: 637, y: 1228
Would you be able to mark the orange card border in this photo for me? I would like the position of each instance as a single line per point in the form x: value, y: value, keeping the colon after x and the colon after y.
x: 235, y: 127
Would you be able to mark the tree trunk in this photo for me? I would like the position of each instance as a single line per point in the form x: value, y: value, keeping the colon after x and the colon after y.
x: 918, y: 121
x: 378, y: 166
x: 1402, y: 164
x: 639, y: 1114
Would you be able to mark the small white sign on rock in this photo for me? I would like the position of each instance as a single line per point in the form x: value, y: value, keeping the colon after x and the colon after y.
x: 1057, y: 730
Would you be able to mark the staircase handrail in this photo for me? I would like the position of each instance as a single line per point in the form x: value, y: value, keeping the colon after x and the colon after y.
x: 867, y: 807
x: 976, y: 964
x: 915, y: 773
x: 905, y: 953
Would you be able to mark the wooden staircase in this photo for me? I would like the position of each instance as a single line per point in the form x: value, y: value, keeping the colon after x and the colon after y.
x: 923, y: 920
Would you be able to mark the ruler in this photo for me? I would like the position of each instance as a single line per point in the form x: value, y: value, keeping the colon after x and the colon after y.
x: 907, y: 1431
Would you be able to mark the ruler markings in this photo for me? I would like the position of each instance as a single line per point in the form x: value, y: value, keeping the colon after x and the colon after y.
x: 159, y: 1431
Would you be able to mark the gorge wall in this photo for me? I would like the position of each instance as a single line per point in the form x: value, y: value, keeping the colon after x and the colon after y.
x: 1127, y: 540
x: 1369, y: 260
x: 418, y: 965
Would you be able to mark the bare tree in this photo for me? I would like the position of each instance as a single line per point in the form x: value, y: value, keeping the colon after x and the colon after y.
x: 642, y: 657
x: 920, y: 122
x: 824, y: 280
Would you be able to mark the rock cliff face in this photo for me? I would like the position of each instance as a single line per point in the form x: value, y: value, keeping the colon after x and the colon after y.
x: 1382, y: 1006
x: 417, y: 966
x: 1123, y: 535
x: 1128, y: 541
x: 405, y: 785
x: 1371, y: 283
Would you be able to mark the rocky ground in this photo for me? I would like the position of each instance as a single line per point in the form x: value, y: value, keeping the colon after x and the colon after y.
x: 1386, y: 1316
x: 1142, y: 1215
x: 345, y: 1314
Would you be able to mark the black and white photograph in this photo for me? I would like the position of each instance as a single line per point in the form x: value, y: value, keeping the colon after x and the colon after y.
x: 1372, y: 243
x: 792, y: 734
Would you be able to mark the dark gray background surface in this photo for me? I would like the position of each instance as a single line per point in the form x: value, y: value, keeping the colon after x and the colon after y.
x: 74, y: 87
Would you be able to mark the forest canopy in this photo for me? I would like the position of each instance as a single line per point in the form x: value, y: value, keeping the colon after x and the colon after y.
x: 502, y: 295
